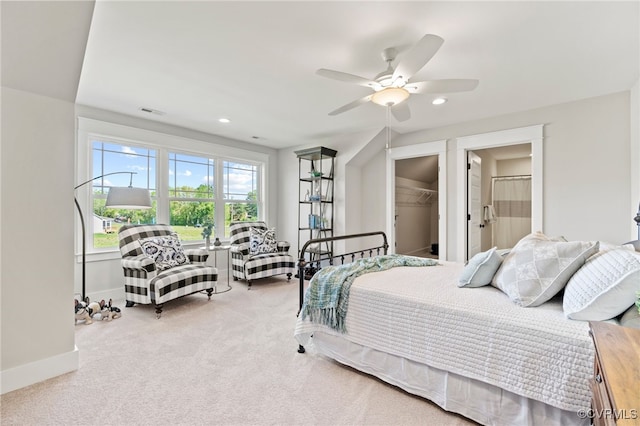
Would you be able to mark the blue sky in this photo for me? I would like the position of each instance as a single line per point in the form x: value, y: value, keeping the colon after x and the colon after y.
x: 186, y: 170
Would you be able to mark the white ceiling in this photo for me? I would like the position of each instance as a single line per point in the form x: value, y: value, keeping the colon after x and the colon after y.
x: 255, y: 62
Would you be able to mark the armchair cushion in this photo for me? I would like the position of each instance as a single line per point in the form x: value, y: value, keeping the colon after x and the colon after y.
x: 166, y: 251
x: 263, y: 241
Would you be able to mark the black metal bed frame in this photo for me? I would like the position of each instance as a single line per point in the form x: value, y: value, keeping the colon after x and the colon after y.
x: 306, y: 269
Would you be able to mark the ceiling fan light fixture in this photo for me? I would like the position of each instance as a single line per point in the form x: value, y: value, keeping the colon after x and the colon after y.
x: 390, y: 96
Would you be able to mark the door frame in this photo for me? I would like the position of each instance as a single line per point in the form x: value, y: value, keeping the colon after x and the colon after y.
x: 530, y: 134
x: 438, y: 148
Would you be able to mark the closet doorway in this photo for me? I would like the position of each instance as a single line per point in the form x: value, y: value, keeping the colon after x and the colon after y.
x: 416, y: 206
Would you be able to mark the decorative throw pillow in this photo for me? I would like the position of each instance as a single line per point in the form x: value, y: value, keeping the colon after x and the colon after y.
x: 604, y: 287
x: 538, y: 268
x: 480, y: 269
x: 166, y: 251
x: 263, y: 241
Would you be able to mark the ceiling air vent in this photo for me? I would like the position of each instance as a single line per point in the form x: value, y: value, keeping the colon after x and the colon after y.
x: 152, y: 111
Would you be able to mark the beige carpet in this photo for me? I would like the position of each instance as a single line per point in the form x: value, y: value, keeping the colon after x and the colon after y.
x: 229, y: 361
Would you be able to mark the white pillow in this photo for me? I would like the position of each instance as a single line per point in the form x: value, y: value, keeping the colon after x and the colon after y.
x: 610, y: 246
x: 262, y: 241
x: 631, y: 318
x: 480, y: 269
x: 166, y: 251
x: 604, y: 287
x: 539, y: 267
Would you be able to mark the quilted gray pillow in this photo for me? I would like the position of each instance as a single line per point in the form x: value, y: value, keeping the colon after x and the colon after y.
x: 538, y: 268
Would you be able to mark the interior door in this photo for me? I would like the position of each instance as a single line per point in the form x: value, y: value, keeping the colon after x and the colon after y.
x: 474, y: 206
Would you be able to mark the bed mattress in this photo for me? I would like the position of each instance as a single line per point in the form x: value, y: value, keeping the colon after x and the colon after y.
x: 421, y: 315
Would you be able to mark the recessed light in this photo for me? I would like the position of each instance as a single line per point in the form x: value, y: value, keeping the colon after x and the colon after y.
x: 439, y: 101
x: 224, y: 120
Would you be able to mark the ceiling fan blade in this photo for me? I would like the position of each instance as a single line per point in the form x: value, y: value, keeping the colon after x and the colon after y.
x: 348, y: 78
x: 418, y: 56
x: 401, y: 111
x: 442, y: 86
x: 351, y: 105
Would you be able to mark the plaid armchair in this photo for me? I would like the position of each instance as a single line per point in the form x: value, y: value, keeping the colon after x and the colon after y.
x: 144, y: 280
x: 249, y: 267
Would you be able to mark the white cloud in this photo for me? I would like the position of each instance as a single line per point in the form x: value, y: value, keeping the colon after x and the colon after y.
x: 128, y: 151
x: 187, y: 173
x: 240, y: 183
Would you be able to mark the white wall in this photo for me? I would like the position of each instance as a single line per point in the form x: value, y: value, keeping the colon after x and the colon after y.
x: 37, y: 238
x: 346, y: 166
x: 514, y: 166
x: 587, y: 172
x: 634, y: 155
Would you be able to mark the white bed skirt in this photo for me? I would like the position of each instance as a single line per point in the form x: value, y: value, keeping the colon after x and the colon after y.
x: 481, y: 402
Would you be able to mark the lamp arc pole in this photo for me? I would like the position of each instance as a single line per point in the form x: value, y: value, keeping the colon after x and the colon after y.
x: 145, y: 203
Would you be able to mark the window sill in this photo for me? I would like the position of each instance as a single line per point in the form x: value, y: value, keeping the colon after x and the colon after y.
x: 114, y: 253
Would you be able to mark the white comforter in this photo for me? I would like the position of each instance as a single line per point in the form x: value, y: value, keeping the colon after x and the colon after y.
x: 420, y: 314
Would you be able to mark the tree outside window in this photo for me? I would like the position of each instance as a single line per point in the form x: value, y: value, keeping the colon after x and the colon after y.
x: 109, y: 158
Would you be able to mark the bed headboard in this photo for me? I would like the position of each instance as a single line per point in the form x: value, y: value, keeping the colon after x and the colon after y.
x: 311, y: 260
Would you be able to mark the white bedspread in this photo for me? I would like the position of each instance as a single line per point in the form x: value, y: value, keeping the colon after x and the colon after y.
x: 420, y: 314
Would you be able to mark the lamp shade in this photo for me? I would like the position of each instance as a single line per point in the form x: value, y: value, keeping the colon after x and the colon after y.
x: 390, y: 96
x: 128, y: 198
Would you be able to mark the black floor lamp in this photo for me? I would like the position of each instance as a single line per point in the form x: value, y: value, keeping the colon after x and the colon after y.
x: 119, y: 198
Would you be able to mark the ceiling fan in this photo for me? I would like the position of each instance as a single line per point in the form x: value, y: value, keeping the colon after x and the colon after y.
x: 392, y: 86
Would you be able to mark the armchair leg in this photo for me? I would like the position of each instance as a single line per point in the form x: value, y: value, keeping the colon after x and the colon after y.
x: 130, y: 303
x: 209, y: 293
x: 289, y: 276
x: 249, y: 282
x: 158, y: 311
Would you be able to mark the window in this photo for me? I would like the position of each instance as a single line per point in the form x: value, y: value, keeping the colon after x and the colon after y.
x: 114, y: 158
x: 240, y: 193
x: 191, y: 194
x: 192, y: 183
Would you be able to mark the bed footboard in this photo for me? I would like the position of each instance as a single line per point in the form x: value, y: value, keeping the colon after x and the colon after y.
x: 310, y: 262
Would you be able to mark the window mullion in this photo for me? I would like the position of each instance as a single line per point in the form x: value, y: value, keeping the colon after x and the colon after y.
x: 218, y: 195
x: 162, y: 183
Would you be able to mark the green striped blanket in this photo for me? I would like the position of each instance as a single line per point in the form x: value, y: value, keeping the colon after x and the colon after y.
x: 327, y: 297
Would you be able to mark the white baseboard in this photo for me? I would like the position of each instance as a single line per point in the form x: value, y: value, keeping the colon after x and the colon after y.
x: 38, y: 371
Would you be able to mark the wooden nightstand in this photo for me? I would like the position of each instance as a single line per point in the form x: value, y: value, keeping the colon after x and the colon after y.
x: 615, y: 385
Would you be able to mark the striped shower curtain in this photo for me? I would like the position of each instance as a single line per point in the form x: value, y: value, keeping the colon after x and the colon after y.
x: 512, y: 204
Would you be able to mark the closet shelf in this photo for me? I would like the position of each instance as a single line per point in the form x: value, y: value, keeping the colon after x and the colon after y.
x: 413, y: 195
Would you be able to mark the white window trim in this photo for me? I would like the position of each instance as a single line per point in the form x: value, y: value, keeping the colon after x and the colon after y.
x: 88, y: 128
